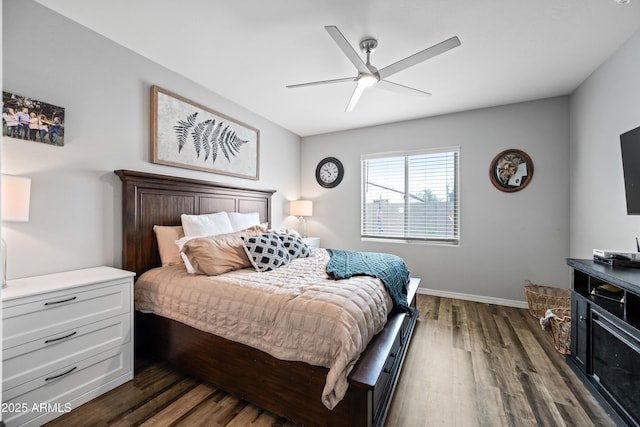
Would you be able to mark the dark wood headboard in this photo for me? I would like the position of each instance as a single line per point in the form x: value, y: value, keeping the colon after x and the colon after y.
x: 151, y: 199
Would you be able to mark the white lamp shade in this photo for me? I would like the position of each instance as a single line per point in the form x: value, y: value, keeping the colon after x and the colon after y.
x: 16, y: 194
x: 301, y: 208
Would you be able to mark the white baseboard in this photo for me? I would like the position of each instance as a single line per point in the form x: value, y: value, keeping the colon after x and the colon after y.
x: 475, y: 298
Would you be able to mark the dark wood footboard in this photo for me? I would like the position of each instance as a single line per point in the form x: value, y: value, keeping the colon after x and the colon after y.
x: 289, y: 389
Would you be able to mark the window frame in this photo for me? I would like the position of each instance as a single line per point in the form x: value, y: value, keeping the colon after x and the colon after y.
x: 453, y: 241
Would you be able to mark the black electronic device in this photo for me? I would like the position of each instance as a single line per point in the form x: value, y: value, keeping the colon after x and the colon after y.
x: 617, y: 261
x: 620, y: 257
x: 630, y: 149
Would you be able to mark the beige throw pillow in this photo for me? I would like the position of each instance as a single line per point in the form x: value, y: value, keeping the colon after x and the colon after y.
x: 214, y: 255
x: 166, y: 237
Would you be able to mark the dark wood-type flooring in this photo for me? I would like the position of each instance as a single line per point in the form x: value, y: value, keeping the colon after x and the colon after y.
x: 469, y: 364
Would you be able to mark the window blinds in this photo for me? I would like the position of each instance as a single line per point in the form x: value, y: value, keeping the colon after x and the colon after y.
x: 411, y: 196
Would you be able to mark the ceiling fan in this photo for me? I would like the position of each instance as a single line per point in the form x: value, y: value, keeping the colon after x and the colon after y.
x: 368, y: 75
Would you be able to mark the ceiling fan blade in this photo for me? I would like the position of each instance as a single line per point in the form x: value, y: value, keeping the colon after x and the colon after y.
x: 348, y: 50
x: 416, y: 58
x: 324, y: 82
x: 395, y: 87
x: 355, y: 97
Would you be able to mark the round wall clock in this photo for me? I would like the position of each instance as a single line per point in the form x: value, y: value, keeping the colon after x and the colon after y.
x: 329, y: 172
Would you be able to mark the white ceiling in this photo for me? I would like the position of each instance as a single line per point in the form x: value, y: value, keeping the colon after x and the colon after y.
x: 249, y: 50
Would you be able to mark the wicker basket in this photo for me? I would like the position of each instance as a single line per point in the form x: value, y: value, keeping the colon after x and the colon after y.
x: 541, y: 298
x: 561, y: 329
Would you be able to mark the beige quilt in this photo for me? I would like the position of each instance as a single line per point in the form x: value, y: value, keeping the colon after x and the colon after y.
x: 294, y: 312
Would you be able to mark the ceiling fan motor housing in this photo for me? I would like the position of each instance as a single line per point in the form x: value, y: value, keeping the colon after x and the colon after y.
x: 368, y: 45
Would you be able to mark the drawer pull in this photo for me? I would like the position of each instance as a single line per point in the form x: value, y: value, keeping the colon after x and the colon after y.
x: 392, y: 355
x: 61, y: 375
x: 584, y: 319
x: 60, y: 302
x: 387, y: 370
x: 61, y: 338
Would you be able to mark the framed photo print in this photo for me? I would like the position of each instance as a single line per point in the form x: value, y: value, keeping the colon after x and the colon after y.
x: 189, y: 135
x: 29, y: 119
x: 511, y: 170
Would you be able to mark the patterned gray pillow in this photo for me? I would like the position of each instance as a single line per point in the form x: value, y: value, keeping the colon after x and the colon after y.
x: 266, y: 251
x: 295, y: 245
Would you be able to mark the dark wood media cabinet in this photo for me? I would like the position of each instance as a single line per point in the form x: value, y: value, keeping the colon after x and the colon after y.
x: 605, y: 336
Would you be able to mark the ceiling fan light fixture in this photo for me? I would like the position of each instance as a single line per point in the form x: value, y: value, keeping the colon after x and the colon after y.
x: 368, y: 75
x: 367, y: 80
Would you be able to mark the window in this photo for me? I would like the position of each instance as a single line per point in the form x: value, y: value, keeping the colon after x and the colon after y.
x: 411, y: 196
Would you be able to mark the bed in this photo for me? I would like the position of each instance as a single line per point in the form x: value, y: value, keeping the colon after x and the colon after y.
x: 290, y: 389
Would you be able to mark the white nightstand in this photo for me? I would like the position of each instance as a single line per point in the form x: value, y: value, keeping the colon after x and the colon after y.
x: 312, y: 242
x: 66, y: 338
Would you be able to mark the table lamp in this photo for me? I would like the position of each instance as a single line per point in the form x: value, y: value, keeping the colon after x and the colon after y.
x: 301, y: 208
x: 16, y: 193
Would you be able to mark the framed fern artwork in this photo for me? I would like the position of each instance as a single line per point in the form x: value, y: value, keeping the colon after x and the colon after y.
x: 189, y: 135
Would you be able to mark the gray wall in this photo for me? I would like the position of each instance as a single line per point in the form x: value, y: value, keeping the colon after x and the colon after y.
x: 105, y: 89
x: 604, y: 106
x: 505, y: 237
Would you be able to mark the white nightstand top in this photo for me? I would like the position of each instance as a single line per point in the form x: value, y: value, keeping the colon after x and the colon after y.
x: 313, y: 242
x: 18, y: 288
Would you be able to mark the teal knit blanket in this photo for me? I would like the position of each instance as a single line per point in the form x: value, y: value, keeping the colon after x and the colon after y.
x: 391, y: 269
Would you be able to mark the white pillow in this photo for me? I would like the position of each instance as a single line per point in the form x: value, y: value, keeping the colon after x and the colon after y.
x: 242, y: 221
x: 206, y: 225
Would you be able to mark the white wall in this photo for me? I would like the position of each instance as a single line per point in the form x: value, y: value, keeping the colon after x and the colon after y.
x: 606, y: 105
x: 505, y: 237
x: 105, y: 89
x: 1, y: 267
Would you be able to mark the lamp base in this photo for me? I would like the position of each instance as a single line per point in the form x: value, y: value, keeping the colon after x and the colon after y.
x: 302, y: 226
x: 4, y: 264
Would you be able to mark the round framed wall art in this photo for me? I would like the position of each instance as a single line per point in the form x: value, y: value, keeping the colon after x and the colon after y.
x: 511, y: 170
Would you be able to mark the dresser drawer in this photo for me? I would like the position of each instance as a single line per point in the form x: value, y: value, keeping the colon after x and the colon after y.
x: 40, y: 316
x: 391, y: 365
x: 36, y: 358
x: 66, y: 388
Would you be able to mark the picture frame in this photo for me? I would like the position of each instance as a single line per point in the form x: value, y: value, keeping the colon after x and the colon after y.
x: 189, y: 135
x: 31, y: 120
x: 511, y: 170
